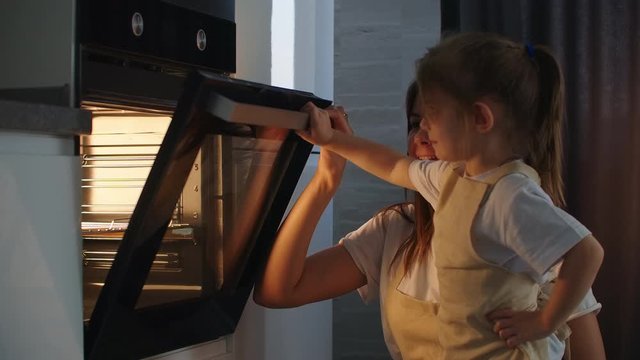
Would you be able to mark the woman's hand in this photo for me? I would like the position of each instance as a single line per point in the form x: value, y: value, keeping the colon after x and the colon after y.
x: 331, y: 165
x: 290, y: 277
x: 517, y: 327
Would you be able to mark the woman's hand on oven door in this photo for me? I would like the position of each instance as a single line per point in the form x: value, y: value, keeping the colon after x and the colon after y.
x: 331, y: 165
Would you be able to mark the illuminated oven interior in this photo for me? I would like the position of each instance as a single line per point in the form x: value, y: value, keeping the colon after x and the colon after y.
x: 214, y: 221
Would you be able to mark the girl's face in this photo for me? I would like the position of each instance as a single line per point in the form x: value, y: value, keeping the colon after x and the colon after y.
x: 419, y: 144
x: 442, y: 121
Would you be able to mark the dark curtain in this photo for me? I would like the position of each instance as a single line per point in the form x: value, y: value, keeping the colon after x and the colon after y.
x: 598, y: 45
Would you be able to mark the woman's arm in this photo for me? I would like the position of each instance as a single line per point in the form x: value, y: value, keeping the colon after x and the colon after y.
x: 376, y: 159
x: 290, y: 277
x: 586, y: 339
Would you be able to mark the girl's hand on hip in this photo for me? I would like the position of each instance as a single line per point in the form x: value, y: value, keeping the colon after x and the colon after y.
x: 517, y: 327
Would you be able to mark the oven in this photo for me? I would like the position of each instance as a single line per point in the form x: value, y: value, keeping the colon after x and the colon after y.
x: 185, y: 176
x: 179, y: 210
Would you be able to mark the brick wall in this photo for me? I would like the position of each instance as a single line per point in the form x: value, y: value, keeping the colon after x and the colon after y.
x: 376, y: 44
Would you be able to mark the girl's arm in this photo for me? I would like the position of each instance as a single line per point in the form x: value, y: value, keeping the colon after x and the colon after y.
x: 290, y: 277
x: 586, y: 340
x: 376, y: 159
x: 577, y: 273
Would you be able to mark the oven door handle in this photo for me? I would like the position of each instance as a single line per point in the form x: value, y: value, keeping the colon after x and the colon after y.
x: 249, y: 114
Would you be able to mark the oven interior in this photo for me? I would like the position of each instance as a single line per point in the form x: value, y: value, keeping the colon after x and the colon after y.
x: 214, y: 221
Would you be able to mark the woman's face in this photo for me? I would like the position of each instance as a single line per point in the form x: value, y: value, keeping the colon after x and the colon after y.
x: 418, y: 142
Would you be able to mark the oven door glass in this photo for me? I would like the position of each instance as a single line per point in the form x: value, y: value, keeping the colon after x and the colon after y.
x: 174, y: 266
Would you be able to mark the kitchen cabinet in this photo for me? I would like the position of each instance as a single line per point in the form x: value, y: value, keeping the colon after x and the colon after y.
x: 40, y: 275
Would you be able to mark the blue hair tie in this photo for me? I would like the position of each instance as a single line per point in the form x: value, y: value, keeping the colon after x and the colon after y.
x: 531, y: 51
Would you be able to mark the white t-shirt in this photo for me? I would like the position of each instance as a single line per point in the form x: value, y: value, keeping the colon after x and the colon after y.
x: 517, y: 228
x: 373, y: 247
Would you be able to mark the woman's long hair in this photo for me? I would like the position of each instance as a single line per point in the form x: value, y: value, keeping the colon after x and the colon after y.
x: 415, y: 247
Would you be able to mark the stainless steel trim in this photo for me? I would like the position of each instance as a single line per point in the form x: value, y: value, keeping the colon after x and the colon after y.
x: 236, y: 112
x: 162, y: 287
x: 97, y: 259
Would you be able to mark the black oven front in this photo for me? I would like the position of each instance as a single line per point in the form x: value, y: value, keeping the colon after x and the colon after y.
x: 182, y: 196
x: 181, y: 193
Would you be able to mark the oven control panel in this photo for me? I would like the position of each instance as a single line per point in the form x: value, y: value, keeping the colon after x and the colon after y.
x: 159, y: 29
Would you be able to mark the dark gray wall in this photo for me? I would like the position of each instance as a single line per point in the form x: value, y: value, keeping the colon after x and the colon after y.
x: 376, y: 44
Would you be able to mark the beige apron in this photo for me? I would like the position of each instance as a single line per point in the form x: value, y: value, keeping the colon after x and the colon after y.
x: 470, y: 287
x: 413, y: 323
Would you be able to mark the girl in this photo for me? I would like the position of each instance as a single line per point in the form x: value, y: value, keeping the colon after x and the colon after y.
x: 493, y: 110
x: 391, y: 246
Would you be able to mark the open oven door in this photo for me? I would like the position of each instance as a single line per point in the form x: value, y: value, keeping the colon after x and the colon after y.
x: 205, y: 219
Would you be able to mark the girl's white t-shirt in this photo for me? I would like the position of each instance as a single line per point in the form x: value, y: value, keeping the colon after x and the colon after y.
x: 518, y: 227
x: 373, y: 247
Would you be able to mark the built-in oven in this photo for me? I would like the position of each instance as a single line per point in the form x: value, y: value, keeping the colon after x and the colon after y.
x: 185, y: 176
x: 179, y: 210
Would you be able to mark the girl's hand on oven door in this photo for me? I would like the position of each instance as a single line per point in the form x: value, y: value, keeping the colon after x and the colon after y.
x: 339, y: 119
x: 320, y: 131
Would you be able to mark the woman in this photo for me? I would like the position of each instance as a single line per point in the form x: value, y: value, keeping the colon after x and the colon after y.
x: 387, y: 258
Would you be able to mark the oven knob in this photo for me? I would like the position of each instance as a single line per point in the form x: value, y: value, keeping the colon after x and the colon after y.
x: 201, y: 40
x: 137, y: 24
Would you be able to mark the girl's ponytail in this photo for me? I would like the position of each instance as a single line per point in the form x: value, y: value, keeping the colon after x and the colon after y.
x: 545, y: 148
x: 526, y: 79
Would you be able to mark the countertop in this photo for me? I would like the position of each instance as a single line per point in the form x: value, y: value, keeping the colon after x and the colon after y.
x: 43, y: 118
